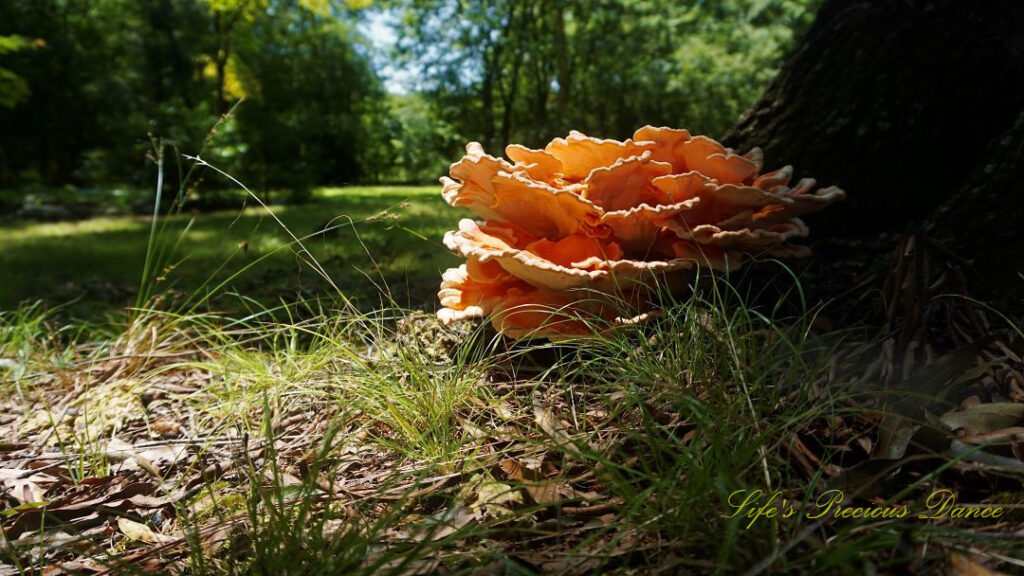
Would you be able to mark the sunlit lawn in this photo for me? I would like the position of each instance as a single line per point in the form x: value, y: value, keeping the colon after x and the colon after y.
x: 385, y: 236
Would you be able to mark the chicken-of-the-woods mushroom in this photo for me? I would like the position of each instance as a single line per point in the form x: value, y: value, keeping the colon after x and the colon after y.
x: 560, y: 227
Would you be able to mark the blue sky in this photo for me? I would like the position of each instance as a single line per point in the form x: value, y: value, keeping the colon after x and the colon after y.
x: 379, y: 28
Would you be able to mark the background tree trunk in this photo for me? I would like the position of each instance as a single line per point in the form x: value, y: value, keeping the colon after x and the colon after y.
x: 916, y: 109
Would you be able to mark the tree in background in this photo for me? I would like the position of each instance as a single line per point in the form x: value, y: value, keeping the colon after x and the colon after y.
x: 416, y: 138
x: 109, y: 73
x: 309, y: 84
x: 13, y: 88
x: 527, y: 70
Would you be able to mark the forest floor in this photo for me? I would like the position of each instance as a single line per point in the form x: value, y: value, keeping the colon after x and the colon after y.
x: 281, y: 425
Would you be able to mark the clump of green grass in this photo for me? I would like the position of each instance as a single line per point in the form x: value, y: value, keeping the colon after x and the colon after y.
x: 24, y: 337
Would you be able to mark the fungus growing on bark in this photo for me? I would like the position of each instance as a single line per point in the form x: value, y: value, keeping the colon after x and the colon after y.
x: 565, y: 231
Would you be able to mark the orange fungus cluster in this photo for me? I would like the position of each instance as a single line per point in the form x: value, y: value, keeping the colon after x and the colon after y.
x: 559, y: 227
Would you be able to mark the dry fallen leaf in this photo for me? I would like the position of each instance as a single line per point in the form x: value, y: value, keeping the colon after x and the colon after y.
x: 960, y: 565
x: 551, y: 425
x: 77, y: 567
x: 149, y: 458
x: 118, y: 450
x: 216, y: 540
x: 24, y: 486
x: 985, y: 417
x: 165, y: 428
x: 542, y: 491
x: 87, y: 506
x: 142, y: 533
x: 487, y: 497
x: 444, y: 524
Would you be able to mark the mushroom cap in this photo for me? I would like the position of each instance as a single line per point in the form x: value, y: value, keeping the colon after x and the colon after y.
x: 636, y: 229
x: 494, y: 191
x: 573, y: 262
x: 538, y: 164
x: 519, y: 310
x: 625, y: 184
x: 580, y: 154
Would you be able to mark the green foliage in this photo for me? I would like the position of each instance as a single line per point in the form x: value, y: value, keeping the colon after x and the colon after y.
x: 530, y: 70
x: 107, y: 74
x: 13, y: 88
x: 418, y: 141
x: 84, y: 85
x: 303, y: 124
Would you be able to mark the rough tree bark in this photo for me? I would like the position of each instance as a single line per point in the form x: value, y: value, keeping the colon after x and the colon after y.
x: 916, y: 109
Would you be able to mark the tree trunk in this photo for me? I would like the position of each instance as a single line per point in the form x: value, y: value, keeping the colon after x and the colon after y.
x: 984, y: 218
x: 508, y: 99
x: 487, y: 100
x: 220, y: 59
x: 562, y: 61
x: 908, y: 105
